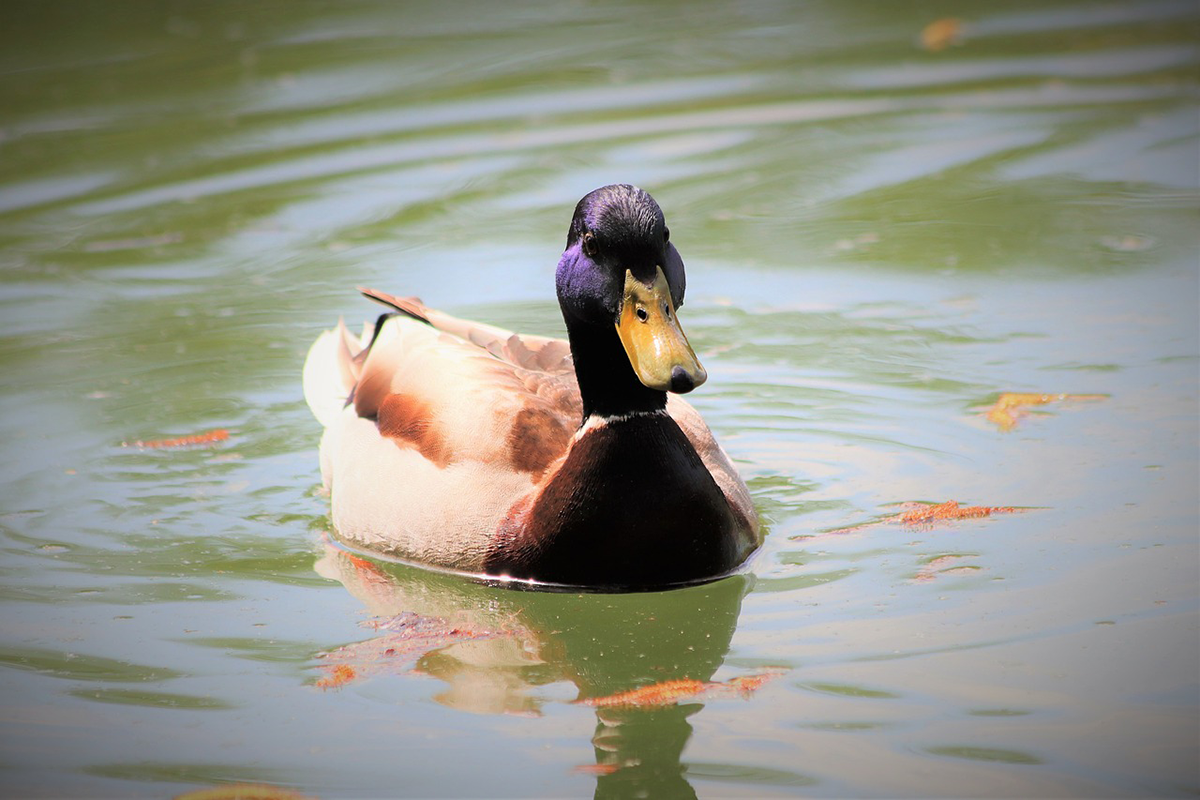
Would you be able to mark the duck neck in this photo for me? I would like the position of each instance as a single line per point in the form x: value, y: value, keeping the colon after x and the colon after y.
x: 607, y: 383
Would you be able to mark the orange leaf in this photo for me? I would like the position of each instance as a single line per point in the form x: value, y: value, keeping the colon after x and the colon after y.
x: 596, y: 769
x: 748, y: 684
x: 338, y: 676
x: 938, y: 512
x: 921, y: 513
x: 243, y: 791
x: 1010, y: 407
x: 208, y: 437
x: 670, y: 692
x: 659, y: 694
x: 941, y: 33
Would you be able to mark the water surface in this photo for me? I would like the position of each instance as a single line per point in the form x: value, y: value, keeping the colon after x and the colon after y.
x: 881, y: 239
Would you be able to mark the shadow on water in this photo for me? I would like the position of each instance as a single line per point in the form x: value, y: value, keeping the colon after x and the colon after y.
x: 497, y: 649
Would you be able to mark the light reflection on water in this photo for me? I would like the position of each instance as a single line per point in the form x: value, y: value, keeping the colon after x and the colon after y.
x: 880, y: 240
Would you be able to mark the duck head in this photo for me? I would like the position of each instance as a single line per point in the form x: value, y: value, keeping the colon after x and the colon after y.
x: 620, y: 281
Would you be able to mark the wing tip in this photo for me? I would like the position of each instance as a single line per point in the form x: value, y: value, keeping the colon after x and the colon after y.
x: 410, y: 306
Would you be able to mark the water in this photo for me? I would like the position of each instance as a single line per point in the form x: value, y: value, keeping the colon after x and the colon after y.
x: 880, y: 240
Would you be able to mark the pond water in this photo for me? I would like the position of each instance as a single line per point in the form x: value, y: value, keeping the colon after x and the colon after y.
x: 883, y: 233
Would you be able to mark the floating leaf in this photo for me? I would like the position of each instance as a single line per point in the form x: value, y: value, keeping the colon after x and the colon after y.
x: 928, y: 513
x: 208, y: 437
x: 923, y: 513
x: 941, y: 33
x: 664, y: 693
x: 671, y: 692
x: 1011, y: 407
x: 338, y: 676
x: 596, y: 769
x: 244, y: 791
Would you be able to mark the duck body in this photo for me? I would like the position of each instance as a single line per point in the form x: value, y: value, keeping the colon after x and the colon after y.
x: 462, y: 446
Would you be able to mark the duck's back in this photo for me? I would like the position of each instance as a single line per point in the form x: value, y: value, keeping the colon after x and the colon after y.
x: 429, y: 439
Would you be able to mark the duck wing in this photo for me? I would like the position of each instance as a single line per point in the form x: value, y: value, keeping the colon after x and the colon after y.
x: 432, y: 433
x: 538, y: 353
x: 459, y: 391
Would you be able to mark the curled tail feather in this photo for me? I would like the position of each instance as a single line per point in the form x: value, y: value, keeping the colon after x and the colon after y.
x: 331, y: 370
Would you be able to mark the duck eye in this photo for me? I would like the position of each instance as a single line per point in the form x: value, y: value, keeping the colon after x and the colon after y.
x: 589, y: 243
x: 666, y: 235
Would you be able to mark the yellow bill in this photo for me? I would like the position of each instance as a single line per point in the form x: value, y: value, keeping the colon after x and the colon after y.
x: 660, y: 354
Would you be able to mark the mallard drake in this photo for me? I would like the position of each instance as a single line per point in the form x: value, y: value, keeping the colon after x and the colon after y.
x: 463, y: 446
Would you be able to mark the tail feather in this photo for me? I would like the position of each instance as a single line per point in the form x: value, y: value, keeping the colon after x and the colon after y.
x: 330, y: 372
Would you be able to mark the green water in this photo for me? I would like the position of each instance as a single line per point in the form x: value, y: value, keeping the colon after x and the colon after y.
x: 880, y: 240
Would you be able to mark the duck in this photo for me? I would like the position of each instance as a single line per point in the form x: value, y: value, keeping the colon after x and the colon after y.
x: 461, y: 446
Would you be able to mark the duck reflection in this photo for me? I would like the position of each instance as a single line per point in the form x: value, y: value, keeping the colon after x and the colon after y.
x: 504, y: 651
